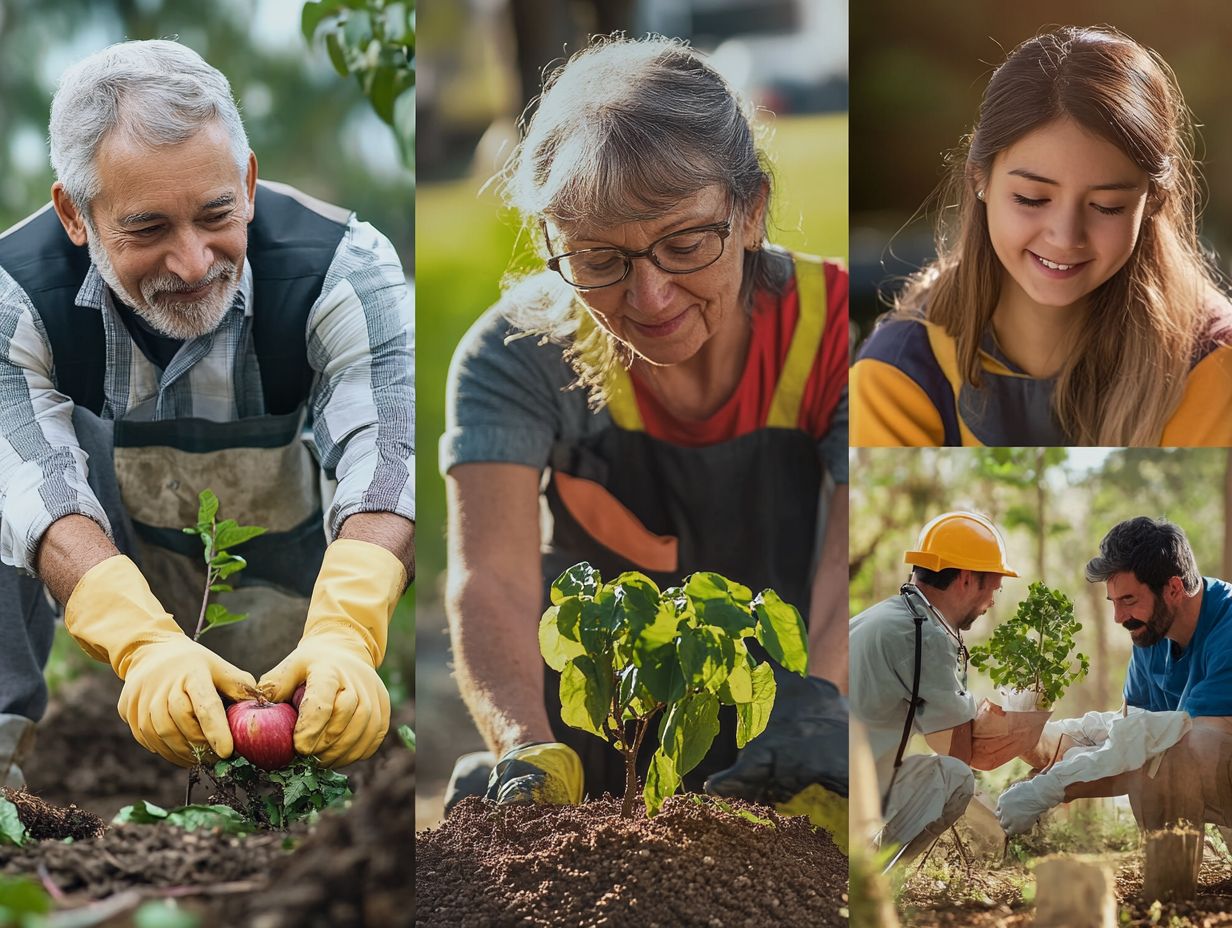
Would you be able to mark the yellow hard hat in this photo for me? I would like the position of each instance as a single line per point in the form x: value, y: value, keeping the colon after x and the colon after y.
x: 964, y: 540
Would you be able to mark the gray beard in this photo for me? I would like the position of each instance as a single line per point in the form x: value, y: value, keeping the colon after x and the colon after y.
x: 181, y: 320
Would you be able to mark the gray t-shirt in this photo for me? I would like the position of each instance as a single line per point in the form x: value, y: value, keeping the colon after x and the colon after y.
x: 882, y: 646
x: 511, y: 401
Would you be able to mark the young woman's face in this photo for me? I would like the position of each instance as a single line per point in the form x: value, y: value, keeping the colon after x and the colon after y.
x: 668, y: 318
x: 1064, y: 211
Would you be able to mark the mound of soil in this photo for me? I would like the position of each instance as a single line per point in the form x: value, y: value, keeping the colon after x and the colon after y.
x: 353, y: 871
x: 144, y: 857
x: 44, y: 820
x: 693, y: 864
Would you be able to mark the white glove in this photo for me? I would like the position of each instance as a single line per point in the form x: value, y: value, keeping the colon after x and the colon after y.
x: 1091, y: 730
x: 1022, y: 804
x: 1128, y: 743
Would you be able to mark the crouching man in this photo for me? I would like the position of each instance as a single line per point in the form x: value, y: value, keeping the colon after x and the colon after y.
x: 909, y: 673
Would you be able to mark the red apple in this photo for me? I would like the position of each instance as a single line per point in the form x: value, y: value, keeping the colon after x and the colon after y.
x: 263, y: 732
x: 297, y: 696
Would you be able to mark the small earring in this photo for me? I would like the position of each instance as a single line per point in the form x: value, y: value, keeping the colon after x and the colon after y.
x: 979, y: 195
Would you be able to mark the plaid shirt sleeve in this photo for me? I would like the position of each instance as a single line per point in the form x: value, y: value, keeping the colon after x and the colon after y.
x: 42, y: 466
x: 361, y: 342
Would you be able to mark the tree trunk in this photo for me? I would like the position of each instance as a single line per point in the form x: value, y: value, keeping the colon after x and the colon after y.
x: 1172, y: 861
x: 1074, y: 892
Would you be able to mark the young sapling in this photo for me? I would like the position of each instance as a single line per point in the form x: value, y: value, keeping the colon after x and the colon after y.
x: 217, y: 538
x: 628, y: 652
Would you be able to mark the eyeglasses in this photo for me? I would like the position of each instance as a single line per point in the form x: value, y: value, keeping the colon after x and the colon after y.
x: 681, y: 252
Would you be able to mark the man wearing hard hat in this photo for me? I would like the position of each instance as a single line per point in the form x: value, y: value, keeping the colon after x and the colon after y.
x: 909, y: 673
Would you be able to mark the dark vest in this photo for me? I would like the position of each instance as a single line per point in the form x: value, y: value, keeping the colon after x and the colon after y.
x: 290, y: 247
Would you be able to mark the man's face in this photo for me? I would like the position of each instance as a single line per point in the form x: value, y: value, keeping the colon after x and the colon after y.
x: 1147, y: 617
x: 168, y: 230
x: 981, y: 592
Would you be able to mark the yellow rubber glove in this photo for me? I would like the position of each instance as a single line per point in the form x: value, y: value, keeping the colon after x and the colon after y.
x: 171, y: 683
x: 344, y: 714
x: 544, y: 772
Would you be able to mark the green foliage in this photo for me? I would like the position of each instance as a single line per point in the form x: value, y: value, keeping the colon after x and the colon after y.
x: 217, y: 538
x: 1032, y: 651
x: 627, y: 652
x: 407, y: 736
x: 374, y: 40
x: 164, y: 913
x: 296, y: 793
x: 12, y: 829
x: 23, y: 902
x: 190, y: 818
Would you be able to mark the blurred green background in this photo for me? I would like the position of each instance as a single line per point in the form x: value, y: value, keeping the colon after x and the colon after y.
x: 309, y: 127
x: 474, y: 71
x: 919, y: 70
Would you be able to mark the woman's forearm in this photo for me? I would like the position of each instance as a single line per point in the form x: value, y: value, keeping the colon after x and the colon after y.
x: 828, y: 613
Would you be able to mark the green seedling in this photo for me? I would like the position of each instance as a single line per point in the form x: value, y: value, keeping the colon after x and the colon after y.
x: 1034, y: 650
x: 217, y: 538
x: 628, y: 652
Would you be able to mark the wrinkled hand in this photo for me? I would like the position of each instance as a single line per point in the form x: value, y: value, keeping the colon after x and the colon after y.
x: 546, y: 772
x: 997, y: 736
x: 344, y: 714
x: 170, y: 698
x: 1022, y: 804
x: 805, y: 743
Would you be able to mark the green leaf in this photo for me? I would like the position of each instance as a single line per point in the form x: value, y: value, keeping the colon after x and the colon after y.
x: 752, y: 716
x: 659, y: 671
x: 579, y: 580
x: 163, y: 913
x: 738, y: 687
x: 233, y: 564
x: 311, y: 17
x: 20, y: 896
x: 661, y: 782
x: 689, y: 729
x: 637, y: 602
x: 719, y: 602
x: 207, y: 507
x: 557, y: 650
x: 407, y: 735
x: 661, y: 630
x: 140, y: 813
x: 230, y: 534
x: 704, y: 661
x: 217, y: 615
x: 585, y: 695
x: 781, y: 631
x: 337, y: 54
x: 12, y: 829
x: 221, y: 588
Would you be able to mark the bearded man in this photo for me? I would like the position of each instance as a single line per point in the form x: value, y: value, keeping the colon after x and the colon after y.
x: 168, y: 325
x: 1170, y: 747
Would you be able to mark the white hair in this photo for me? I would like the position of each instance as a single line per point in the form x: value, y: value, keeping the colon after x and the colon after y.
x: 158, y: 92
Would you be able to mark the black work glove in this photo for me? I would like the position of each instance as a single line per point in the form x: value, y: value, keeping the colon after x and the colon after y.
x: 805, y: 743
x: 545, y: 772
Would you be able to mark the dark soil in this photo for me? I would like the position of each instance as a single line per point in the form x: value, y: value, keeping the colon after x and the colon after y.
x: 354, y: 870
x: 693, y: 864
x: 993, y: 899
x: 44, y: 820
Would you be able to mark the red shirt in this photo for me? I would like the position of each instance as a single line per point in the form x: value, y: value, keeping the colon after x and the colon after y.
x: 774, y: 320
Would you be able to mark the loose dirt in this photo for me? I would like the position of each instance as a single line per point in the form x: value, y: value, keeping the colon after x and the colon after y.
x: 44, y: 820
x: 691, y: 865
x: 994, y: 899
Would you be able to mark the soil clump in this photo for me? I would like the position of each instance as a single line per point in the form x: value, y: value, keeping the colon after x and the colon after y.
x: 696, y: 863
x: 44, y: 820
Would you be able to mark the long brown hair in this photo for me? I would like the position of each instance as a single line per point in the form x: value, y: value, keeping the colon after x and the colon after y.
x: 1110, y: 391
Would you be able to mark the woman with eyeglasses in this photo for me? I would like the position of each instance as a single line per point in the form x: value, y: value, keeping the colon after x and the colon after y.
x: 669, y: 392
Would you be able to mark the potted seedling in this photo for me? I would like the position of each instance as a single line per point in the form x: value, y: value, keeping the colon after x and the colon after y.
x: 1032, y: 657
x: 630, y: 654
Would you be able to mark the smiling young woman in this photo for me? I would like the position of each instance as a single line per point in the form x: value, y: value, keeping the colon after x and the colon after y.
x: 1070, y: 302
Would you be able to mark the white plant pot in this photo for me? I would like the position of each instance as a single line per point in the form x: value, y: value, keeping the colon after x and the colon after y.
x: 1013, y: 700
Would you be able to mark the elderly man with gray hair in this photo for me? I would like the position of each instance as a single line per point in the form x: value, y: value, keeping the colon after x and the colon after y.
x: 169, y: 325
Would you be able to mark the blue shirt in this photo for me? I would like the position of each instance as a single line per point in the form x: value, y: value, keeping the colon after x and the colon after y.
x: 1199, y: 680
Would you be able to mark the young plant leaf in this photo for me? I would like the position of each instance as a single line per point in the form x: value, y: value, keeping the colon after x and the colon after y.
x: 752, y: 716
x: 661, y: 781
x: 689, y: 729
x: 585, y: 695
x: 781, y: 631
x: 579, y: 580
x: 12, y: 829
x: 557, y: 650
x: 207, y: 508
